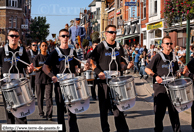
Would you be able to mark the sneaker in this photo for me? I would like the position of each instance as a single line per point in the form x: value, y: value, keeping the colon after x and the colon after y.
x: 48, y: 118
x: 146, y: 78
x: 41, y: 116
x: 141, y: 77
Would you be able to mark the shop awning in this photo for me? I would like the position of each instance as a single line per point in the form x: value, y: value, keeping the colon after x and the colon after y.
x: 128, y: 36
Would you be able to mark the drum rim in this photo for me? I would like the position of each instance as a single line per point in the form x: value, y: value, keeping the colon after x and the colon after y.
x: 70, y: 80
x: 180, y: 86
x: 111, y: 83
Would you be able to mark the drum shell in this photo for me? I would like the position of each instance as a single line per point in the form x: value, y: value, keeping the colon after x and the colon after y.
x: 181, y: 94
x: 74, y: 90
x: 124, y: 90
x: 18, y: 95
x: 90, y: 75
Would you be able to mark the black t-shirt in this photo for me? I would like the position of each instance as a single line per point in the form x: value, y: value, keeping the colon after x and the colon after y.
x: 41, y: 77
x: 5, y: 61
x: 31, y: 58
x: 190, y: 65
x: 158, y: 66
x: 58, y: 64
x: 102, y: 57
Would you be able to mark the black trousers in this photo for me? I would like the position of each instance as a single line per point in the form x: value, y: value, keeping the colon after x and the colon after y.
x: 161, y: 101
x: 192, y: 115
x: 11, y: 119
x: 104, y: 105
x: 48, y: 90
x: 93, y: 91
x: 72, y: 119
x: 32, y: 82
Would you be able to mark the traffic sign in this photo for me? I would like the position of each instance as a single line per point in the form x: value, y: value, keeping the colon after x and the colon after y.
x: 131, y: 4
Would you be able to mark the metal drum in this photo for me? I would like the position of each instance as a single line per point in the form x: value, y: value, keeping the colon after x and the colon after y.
x: 181, y: 91
x: 75, y: 89
x: 122, y: 88
x: 90, y: 75
x: 64, y: 76
x: 17, y: 93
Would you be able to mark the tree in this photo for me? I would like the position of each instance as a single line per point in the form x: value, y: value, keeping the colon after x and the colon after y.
x: 39, y: 29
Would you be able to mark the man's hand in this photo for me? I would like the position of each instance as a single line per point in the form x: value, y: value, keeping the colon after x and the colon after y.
x: 101, y: 75
x: 130, y: 65
x: 86, y: 66
x: 186, y: 69
x: 30, y: 68
x: 158, y: 79
x: 54, y: 79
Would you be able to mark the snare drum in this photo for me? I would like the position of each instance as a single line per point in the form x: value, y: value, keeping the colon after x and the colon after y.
x: 181, y: 91
x: 90, y: 75
x: 17, y: 93
x: 75, y: 89
x: 122, y: 88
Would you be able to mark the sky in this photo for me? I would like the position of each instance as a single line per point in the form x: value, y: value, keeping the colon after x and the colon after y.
x: 58, y: 12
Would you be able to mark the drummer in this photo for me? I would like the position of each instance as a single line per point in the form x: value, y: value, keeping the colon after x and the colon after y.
x: 43, y: 83
x: 32, y: 54
x: 102, y: 57
x: 93, y: 91
x: 5, y: 63
x: 158, y: 68
x: 189, y: 72
x: 57, y: 66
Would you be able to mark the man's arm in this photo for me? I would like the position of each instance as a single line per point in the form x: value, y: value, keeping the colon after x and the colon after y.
x: 46, y: 70
x: 154, y: 75
x: 84, y: 32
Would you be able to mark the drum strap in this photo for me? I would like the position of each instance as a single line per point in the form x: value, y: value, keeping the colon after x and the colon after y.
x: 164, y: 59
x: 7, y: 50
x: 107, y: 47
x: 60, y: 54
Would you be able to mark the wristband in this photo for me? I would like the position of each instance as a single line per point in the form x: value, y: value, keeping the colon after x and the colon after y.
x: 97, y: 70
x: 50, y: 74
x: 81, y: 70
x: 155, y: 75
x: 125, y: 67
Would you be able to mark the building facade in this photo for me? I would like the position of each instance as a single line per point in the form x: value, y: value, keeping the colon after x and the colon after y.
x: 15, y: 14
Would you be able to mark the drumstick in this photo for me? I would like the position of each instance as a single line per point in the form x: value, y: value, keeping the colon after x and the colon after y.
x: 25, y: 63
x: 125, y: 59
x: 79, y: 60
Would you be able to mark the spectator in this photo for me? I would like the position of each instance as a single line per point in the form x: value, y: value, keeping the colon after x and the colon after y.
x: 142, y: 67
x: 182, y: 54
x: 154, y: 53
x: 136, y: 61
x: 126, y: 51
x: 79, y: 52
x: 145, y: 49
x: 133, y: 54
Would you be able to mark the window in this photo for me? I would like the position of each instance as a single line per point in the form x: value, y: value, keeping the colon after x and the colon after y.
x: 129, y: 13
x: 11, y: 22
x: 117, y: 22
x: 15, y: 22
x: 98, y: 13
x: 158, y: 33
x: 119, y: 3
x: 155, y: 6
x: 144, y: 35
x: 13, y: 3
x: 144, y: 9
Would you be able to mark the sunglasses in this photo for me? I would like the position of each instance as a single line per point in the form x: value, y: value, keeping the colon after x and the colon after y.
x: 34, y: 45
x: 112, y: 32
x: 63, y: 36
x: 168, y: 43
x: 16, y: 36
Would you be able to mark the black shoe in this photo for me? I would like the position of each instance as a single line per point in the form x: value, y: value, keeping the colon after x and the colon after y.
x: 41, y: 116
x: 146, y: 78
x: 49, y: 118
x: 110, y: 112
x: 141, y: 77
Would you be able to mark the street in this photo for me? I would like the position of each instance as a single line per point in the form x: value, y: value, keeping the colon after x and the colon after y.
x: 140, y: 118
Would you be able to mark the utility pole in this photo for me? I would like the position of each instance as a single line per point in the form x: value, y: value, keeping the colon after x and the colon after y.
x: 188, y: 41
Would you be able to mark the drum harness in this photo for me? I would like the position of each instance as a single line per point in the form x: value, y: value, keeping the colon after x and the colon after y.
x: 113, y: 59
x: 13, y: 63
x: 170, y: 70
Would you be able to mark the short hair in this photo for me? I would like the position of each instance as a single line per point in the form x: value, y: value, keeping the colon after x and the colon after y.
x: 63, y: 30
x: 110, y: 26
x: 43, y: 42
x: 13, y: 29
x: 34, y: 42
x: 165, y: 37
x: 96, y: 41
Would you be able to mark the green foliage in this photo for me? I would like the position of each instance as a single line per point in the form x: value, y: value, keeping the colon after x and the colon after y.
x: 176, y: 11
x: 39, y: 29
x: 85, y: 42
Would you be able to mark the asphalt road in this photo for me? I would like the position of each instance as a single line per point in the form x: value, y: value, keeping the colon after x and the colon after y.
x: 140, y: 118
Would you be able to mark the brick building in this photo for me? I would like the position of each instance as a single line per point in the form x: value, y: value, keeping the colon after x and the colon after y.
x: 14, y: 14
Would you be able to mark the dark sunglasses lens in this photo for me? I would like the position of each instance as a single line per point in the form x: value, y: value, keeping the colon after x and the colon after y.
x: 111, y: 32
x: 169, y: 43
x: 14, y: 36
x: 34, y: 45
x: 65, y: 36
